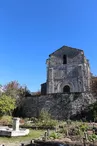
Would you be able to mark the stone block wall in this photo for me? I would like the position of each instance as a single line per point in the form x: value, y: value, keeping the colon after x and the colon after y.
x: 60, y: 106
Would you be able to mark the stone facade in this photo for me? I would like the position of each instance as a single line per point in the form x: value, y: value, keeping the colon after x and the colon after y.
x: 60, y: 106
x: 68, y: 70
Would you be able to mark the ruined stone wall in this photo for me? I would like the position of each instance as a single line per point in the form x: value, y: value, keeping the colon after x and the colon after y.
x: 60, y: 106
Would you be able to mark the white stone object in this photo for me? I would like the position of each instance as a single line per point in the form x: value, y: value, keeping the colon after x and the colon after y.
x: 16, y: 124
x: 14, y: 131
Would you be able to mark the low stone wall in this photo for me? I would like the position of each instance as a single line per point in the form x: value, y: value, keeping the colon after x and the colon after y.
x: 60, y: 106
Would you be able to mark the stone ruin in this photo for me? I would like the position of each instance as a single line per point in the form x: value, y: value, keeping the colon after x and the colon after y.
x: 66, y: 92
x: 68, y: 70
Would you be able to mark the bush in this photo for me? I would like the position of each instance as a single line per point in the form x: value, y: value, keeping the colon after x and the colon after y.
x: 33, y: 119
x: 74, y: 131
x: 7, y: 105
x: 54, y: 135
x: 47, y: 124
x: 63, y: 131
x: 92, y: 137
x: 83, y: 127
x: 5, y: 120
x: 44, y: 116
x: 45, y: 120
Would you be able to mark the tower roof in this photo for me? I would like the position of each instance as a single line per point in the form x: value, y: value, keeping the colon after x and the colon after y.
x: 68, y: 51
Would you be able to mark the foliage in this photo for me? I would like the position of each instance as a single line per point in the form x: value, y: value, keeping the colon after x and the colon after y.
x: 15, y: 90
x: 83, y: 127
x: 63, y: 131
x: 45, y: 120
x: 71, y: 131
x: 74, y: 131
x: 92, y: 137
x: 47, y: 124
x: 5, y: 120
x: 28, y: 122
x: 93, y: 111
x: 18, y: 92
x: 12, y: 89
x: 44, y: 115
x: 33, y: 119
x: 54, y: 135
x: 7, y: 105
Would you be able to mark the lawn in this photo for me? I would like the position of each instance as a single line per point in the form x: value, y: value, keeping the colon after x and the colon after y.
x: 32, y: 135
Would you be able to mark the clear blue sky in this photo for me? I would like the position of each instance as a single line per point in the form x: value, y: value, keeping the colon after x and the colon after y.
x: 32, y: 29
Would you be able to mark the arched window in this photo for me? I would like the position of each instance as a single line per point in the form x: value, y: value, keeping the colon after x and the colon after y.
x: 66, y: 89
x: 64, y: 59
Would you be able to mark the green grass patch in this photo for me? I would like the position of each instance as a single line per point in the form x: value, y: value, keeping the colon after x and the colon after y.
x: 32, y: 135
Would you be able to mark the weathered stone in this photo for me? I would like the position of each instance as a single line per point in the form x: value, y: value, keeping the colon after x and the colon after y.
x: 67, y: 71
x: 67, y: 90
x: 60, y: 106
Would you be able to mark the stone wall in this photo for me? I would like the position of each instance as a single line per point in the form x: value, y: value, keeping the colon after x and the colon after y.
x: 60, y: 106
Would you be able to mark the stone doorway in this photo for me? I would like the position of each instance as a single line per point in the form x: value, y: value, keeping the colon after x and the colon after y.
x: 66, y: 89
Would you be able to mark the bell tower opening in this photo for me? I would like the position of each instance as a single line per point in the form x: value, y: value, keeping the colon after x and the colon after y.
x: 64, y: 59
x: 66, y: 89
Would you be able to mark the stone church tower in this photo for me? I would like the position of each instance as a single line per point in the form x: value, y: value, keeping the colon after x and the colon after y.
x: 67, y: 71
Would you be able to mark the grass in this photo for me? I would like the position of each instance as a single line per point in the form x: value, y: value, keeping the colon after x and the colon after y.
x: 32, y: 135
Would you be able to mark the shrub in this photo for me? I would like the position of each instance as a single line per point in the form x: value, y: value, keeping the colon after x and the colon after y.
x: 33, y: 119
x: 45, y: 120
x: 47, y: 124
x: 92, y: 137
x: 83, y: 127
x: 54, y: 135
x: 63, y: 131
x: 74, y: 131
x: 44, y: 116
x: 7, y: 105
x: 5, y: 120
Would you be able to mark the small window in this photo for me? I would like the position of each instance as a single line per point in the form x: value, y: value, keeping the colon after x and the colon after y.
x: 64, y: 59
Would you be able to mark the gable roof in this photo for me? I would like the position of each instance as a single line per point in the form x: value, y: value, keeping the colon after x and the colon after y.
x: 67, y: 48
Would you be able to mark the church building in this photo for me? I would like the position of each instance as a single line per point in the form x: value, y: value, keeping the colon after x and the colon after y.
x: 68, y: 71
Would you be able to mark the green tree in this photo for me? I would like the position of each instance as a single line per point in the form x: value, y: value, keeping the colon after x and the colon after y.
x: 15, y: 90
x: 12, y: 89
x: 7, y: 105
